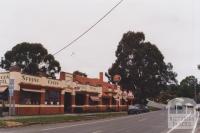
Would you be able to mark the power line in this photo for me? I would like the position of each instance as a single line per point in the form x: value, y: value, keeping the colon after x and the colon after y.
x: 85, y: 32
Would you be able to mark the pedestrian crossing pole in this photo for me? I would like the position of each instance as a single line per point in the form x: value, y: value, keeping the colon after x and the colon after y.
x: 10, y: 105
x: 11, y: 89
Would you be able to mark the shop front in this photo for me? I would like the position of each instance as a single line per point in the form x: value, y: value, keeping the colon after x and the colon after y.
x: 4, y: 77
x: 32, y: 100
x: 87, y: 98
x: 32, y: 95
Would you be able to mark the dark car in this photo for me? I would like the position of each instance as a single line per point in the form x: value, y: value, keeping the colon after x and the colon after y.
x: 198, y: 107
x: 137, y: 108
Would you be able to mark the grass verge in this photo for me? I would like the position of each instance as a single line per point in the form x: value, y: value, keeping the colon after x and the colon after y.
x: 2, y: 123
x: 153, y: 108
x: 24, y: 121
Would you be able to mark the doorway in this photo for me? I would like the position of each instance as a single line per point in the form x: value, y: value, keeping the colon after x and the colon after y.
x: 67, y: 103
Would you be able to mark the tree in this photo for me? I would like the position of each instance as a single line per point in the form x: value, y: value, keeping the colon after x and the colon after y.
x: 198, y: 67
x: 141, y: 67
x: 32, y: 58
x: 79, y: 73
x: 167, y: 94
x: 187, y: 87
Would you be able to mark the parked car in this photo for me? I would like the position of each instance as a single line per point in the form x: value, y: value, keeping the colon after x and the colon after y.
x: 198, y: 107
x: 137, y: 108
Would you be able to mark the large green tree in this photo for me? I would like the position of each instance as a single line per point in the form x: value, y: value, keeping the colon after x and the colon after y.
x: 187, y: 87
x: 32, y: 58
x: 167, y: 94
x: 141, y: 67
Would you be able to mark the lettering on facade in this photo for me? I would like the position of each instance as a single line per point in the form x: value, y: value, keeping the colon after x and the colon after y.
x: 53, y: 82
x: 94, y: 89
x: 77, y: 88
x: 87, y: 88
x: 110, y: 90
x: 4, y: 78
x: 30, y: 79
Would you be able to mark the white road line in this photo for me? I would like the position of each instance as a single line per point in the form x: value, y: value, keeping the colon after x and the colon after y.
x: 81, y: 124
x: 5, y: 132
x: 99, y: 131
x: 195, y: 125
x: 100, y: 121
x: 178, y: 124
x: 141, y: 120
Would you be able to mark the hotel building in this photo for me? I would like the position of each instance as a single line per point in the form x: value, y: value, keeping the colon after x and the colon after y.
x: 39, y: 95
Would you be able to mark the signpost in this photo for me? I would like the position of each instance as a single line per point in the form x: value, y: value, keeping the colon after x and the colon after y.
x: 11, y: 89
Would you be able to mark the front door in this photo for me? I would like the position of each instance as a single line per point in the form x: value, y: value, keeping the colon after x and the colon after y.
x: 67, y: 102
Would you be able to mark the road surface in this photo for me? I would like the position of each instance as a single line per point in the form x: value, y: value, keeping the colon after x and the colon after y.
x: 153, y: 122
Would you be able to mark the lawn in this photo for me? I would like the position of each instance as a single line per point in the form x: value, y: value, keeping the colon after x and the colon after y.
x: 2, y: 123
x: 24, y: 121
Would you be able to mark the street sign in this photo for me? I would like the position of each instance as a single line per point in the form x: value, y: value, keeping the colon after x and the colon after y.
x: 11, y: 87
x: 117, y: 78
x: 10, y: 92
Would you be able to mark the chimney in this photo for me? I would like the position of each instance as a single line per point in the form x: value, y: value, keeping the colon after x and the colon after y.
x: 101, y: 76
x: 15, y: 69
x: 62, y: 75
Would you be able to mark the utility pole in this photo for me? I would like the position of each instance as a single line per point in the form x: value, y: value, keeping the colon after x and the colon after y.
x: 195, y: 92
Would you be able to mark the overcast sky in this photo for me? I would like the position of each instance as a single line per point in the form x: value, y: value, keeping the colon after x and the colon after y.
x: 173, y: 25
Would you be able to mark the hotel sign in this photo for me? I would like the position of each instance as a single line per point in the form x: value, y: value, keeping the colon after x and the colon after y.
x: 30, y: 79
x: 94, y: 89
x: 54, y: 83
x: 88, y: 88
x: 41, y: 81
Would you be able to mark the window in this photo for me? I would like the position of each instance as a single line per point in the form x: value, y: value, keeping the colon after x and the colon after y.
x: 4, y: 95
x: 80, y: 99
x: 52, y: 97
x: 123, y: 102
x: 32, y: 98
x: 106, y: 101
x: 114, y: 101
x: 94, y: 100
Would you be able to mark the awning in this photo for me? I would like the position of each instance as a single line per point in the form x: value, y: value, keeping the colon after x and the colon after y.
x: 2, y: 89
x: 95, y: 98
x: 33, y: 90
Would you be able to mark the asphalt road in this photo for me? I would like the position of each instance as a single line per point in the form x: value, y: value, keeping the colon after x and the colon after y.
x: 153, y: 122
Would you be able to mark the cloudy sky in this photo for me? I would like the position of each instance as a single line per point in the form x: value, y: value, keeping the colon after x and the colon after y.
x: 173, y: 25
